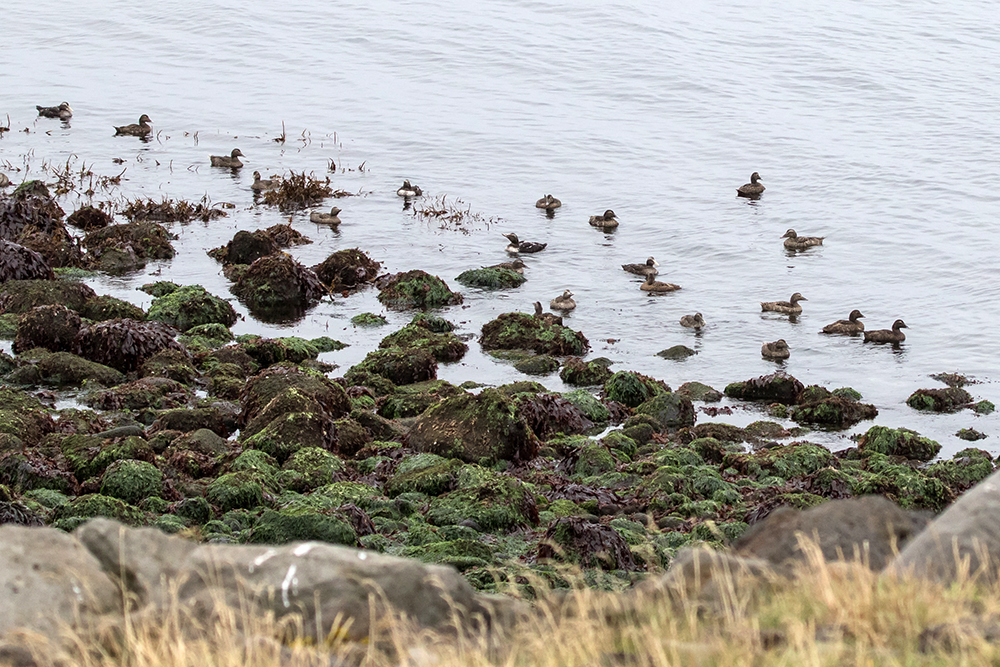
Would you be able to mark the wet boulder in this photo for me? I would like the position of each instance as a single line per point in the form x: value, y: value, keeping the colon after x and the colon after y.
x: 519, y: 331
x: 310, y: 468
x: 89, y: 219
x: 155, y: 393
x: 633, y: 389
x: 819, y: 406
x: 170, y: 363
x: 289, y: 422
x: 537, y: 364
x: 445, y: 347
x: 491, y: 278
x: 20, y: 263
x: 144, y: 240
x: 669, y: 409
x: 220, y: 420
x: 278, y: 285
x: 778, y: 387
x: 697, y: 391
x: 30, y: 208
x: 190, y: 306
x: 416, y: 289
x: 551, y: 414
x: 492, y: 501
x: 132, y: 481
x: 245, y: 248
x: 62, y: 369
x: 412, y: 400
x: 898, y: 442
x: 950, y: 399
x: 347, y: 269
x: 268, y: 384
x: 399, y: 366
x: 964, y: 470
x: 482, y: 428
x: 292, y: 526
x: 20, y: 296
x: 103, y: 308
x: 577, y: 540
x: 51, y: 327
x: 124, y: 344
x: 577, y: 372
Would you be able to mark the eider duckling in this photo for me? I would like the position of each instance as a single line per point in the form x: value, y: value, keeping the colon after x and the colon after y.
x: 141, y: 130
x: 547, y: 318
x: 260, y: 184
x: 517, y: 266
x: 407, y: 190
x: 887, y: 336
x: 606, y: 221
x: 848, y: 326
x: 776, y: 350
x: 325, y: 218
x: 63, y: 112
x: 646, y: 269
x: 695, y: 321
x: 753, y: 189
x: 795, y: 242
x: 4, y: 181
x: 517, y: 246
x: 548, y: 202
x: 564, y: 302
x: 656, y: 286
x: 790, y: 307
x: 231, y: 161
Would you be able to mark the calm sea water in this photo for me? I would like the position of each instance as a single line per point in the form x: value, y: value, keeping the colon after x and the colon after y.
x: 872, y: 126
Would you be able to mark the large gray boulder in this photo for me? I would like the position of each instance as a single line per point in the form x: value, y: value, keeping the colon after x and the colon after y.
x: 49, y: 581
x: 969, y: 531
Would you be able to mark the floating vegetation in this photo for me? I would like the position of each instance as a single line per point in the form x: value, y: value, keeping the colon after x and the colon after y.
x: 456, y: 216
x: 169, y: 210
x: 298, y: 191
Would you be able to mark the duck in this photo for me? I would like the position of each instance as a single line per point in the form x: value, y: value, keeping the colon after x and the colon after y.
x: 886, y: 335
x: 517, y: 246
x: 548, y: 202
x: 232, y: 160
x: 564, y: 302
x: 4, y: 181
x: 753, y: 189
x: 795, y: 242
x: 790, y: 307
x: 407, y: 190
x: 141, y: 130
x: 517, y: 266
x: 606, y: 221
x: 646, y: 269
x: 260, y: 184
x: 547, y: 318
x: 656, y: 286
x: 776, y: 350
x: 64, y: 111
x: 848, y: 326
x: 695, y: 321
x: 326, y: 218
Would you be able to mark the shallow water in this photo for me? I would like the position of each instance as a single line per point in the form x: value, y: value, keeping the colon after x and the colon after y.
x: 871, y: 126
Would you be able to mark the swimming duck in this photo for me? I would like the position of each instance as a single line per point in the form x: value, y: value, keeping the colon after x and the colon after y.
x: 326, y: 218
x: 548, y: 202
x: 753, y: 189
x: 141, y: 130
x: 848, y: 326
x: 887, y: 336
x: 795, y: 242
x: 260, y: 184
x: 656, y: 286
x: 4, y: 181
x: 564, y: 302
x: 232, y: 160
x: 547, y: 318
x: 776, y: 350
x: 407, y: 190
x: 517, y: 246
x: 646, y: 269
x: 695, y: 321
x: 64, y: 111
x: 790, y: 307
x: 517, y: 266
x: 606, y: 221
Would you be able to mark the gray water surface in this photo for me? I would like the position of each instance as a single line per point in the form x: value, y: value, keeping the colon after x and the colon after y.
x: 872, y: 126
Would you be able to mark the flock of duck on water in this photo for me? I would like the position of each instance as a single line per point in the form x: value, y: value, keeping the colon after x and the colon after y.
x: 607, y: 221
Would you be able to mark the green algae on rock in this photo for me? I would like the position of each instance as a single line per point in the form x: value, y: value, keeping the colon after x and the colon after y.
x: 445, y: 347
x: 191, y: 306
x: 51, y: 327
x: 576, y: 540
x: 491, y: 278
x: 669, y: 409
x: 398, y: 365
x: 132, y: 481
x: 950, y: 399
x: 236, y: 490
x: 577, y: 372
x: 369, y: 320
x: 413, y: 399
x: 819, y: 406
x: 82, y: 508
x: 277, y: 286
x: 102, y: 308
x: 519, y: 331
x: 632, y: 389
x: 147, y: 240
x: 779, y: 387
x: 284, y: 526
x: 416, y: 289
x: 63, y: 369
x: 898, y: 442
x: 676, y: 353
x: 20, y: 296
x: 539, y: 364
x: 347, y: 269
x: 491, y: 500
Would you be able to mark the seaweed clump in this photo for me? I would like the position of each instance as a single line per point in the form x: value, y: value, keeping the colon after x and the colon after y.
x: 52, y: 327
x: 491, y: 278
x: 347, y: 269
x: 245, y: 248
x: 519, y: 331
x: 168, y: 210
x: 298, y: 191
x: 89, y: 219
x: 124, y: 344
x: 20, y: 263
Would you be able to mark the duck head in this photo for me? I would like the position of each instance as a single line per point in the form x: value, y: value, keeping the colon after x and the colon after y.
x: 780, y: 344
x: 256, y: 176
x: 144, y: 120
x: 797, y: 297
x: 511, y: 237
x: 518, y: 263
x: 334, y: 211
x: 754, y: 177
x: 64, y: 106
x: 566, y: 294
x: 651, y: 262
x: 790, y: 234
x: 899, y: 324
x: 855, y: 315
x: 699, y: 319
x: 237, y: 153
x: 538, y: 309
x: 609, y: 215
x: 406, y: 186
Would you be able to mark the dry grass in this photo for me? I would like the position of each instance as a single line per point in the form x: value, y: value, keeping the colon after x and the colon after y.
x: 830, y: 614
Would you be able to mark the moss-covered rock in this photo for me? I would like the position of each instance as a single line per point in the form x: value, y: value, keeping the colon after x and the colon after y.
x: 461, y: 554
x: 132, y: 481
x: 593, y: 459
x: 281, y: 433
x: 191, y: 306
x: 902, y: 484
x: 794, y: 460
x: 413, y: 399
x: 970, y: 434
x: 697, y: 391
x: 271, y: 382
x: 676, y: 353
x: 416, y: 289
x: 20, y: 296
x: 103, y: 308
x: 159, y: 288
x: 369, y: 320
x: 90, y: 455
x: 221, y: 422
x: 236, y: 490
x: 779, y: 387
x: 347, y: 269
x: 310, y: 468
x: 493, y: 501
x: 481, y: 428
x: 577, y: 540
x: 949, y: 399
x: 898, y: 442
x: 51, y: 327
x: 445, y: 347
x: 589, y: 405
x: 539, y: 364
x: 633, y: 389
x: 490, y: 278
x: 170, y: 364
x: 669, y: 409
x: 277, y: 287
x: 578, y: 373
x: 146, y: 240
x: 832, y: 410
x: 519, y: 331
x: 429, y: 474
x: 245, y: 247
x: 62, y: 369
x: 399, y: 366
x: 966, y: 469
x: 155, y: 393
x: 85, y: 507
x: 283, y: 527
x: 432, y: 322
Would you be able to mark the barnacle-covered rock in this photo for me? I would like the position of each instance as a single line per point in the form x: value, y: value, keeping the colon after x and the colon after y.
x: 125, y: 344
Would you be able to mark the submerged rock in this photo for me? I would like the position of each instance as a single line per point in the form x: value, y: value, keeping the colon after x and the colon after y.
x: 669, y: 409
x: 676, y: 353
x: 779, y: 387
x: 491, y: 278
x: 146, y: 240
x: 368, y: 320
x: 347, y: 269
x: 697, y: 391
x: 416, y: 289
x: 103, y: 308
x: 539, y: 364
x: 951, y: 399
